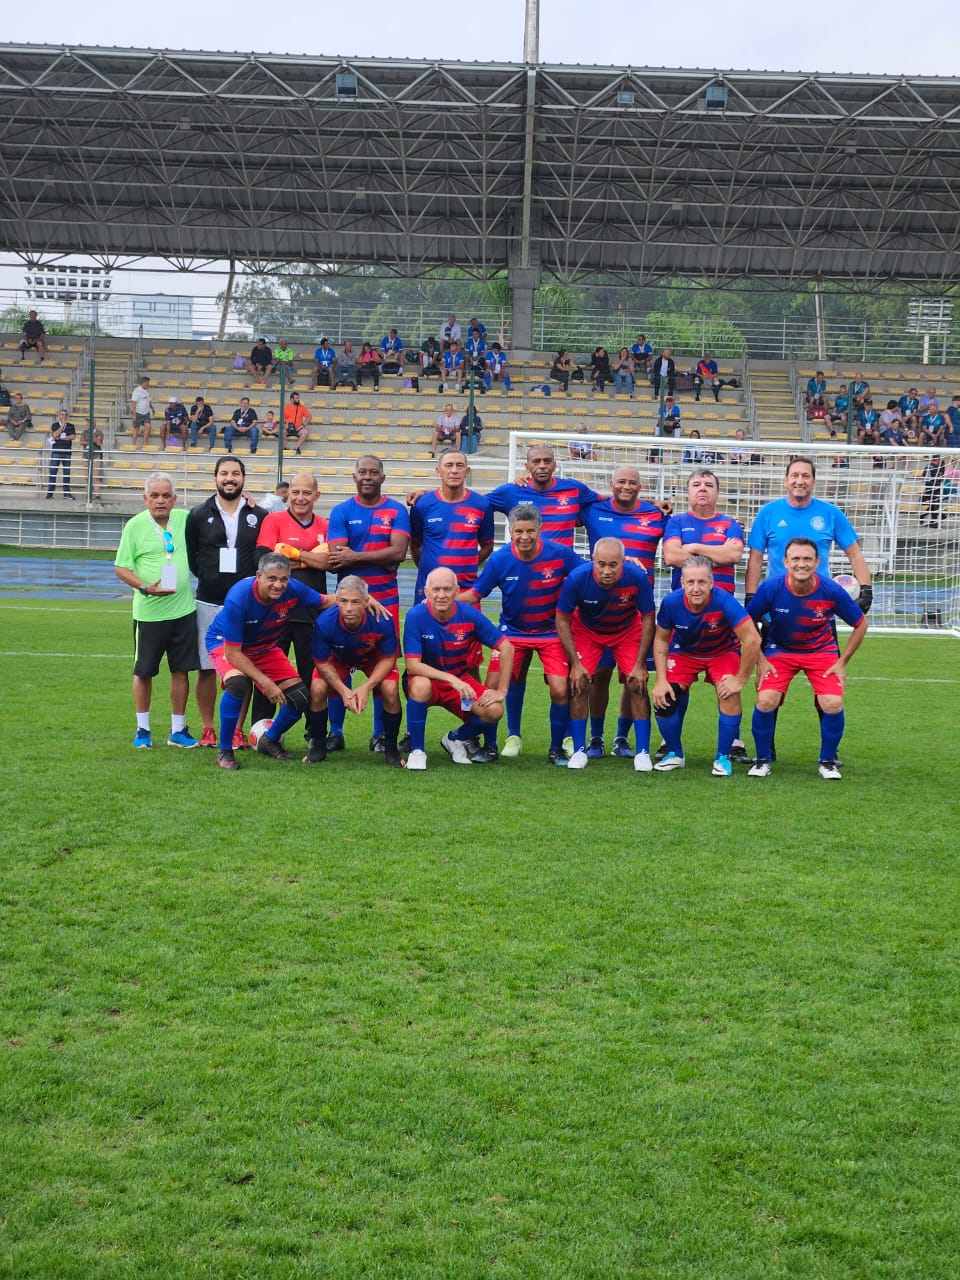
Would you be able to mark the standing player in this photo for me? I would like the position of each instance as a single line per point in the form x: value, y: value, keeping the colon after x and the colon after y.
x: 439, y: 639
x: 369, y: 536
x: 561, y: 500
x: 529, y: 572
x: 607, y: 606
x: 801, y: 637
x: 452, y: 527
x: 348, y: 639
x: 701, y: 629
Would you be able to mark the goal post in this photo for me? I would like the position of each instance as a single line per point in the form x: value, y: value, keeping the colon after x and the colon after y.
x: 892, y: 497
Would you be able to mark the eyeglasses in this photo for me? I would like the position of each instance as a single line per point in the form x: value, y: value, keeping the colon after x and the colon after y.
x: 168, y: 542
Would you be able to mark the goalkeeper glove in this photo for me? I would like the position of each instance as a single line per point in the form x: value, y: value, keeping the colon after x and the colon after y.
x: 865, y: 599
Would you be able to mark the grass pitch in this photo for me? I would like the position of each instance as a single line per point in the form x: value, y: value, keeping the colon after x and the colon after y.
x: 346, y: 1021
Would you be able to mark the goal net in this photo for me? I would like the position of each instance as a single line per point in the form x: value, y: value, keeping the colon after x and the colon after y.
x: 904, y: 506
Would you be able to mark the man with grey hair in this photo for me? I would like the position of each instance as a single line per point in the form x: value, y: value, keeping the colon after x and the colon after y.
x: 152, y: 559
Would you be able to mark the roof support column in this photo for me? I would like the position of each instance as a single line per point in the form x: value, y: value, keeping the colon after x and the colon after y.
x: 525, y: 265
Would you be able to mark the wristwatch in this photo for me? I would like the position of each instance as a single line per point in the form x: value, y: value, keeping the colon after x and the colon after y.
x: 143, y: 589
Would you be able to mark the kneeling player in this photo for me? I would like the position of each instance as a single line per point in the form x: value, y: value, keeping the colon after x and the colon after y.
x: 701, y: 629
x: 439, y: 645
x: 801, y: 637
x: 607, y: 606
x: 347, y: 639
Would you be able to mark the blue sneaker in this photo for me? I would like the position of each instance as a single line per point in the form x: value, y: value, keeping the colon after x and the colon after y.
x: 621, y: 747
x: 182, y: 738
x: 142, y: 739
x: 597, y: 749
x: 722, y: 768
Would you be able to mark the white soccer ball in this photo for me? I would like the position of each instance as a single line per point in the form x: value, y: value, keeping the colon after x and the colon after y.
x: 257, y: 730
x: 849, y: 583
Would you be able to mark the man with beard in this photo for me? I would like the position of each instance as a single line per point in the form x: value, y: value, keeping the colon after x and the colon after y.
x: 221, y: 536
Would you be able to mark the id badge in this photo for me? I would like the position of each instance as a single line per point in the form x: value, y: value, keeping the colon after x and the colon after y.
x: 228, y: 559
x: 168, y: 577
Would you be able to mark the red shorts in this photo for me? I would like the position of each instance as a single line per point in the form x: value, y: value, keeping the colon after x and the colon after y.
x: 813, y: 665
x: 274, y: 664
x: 623, y: 646
x: 685, y: 669
x: 549, y: 648
x: 444, y: 695
x: 343, y: 671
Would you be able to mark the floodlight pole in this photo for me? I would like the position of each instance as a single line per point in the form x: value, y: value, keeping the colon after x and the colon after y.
x: 90, y: 425
x: 283, y: 426
x: 531, y: 33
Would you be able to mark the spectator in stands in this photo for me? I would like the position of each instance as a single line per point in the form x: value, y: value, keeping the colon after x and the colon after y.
x: 296, y: 421
x: 695, y: 455
x: 173, y: 433
x: 891, y: 425
x: 859, y: 390
x: 562, y: 369
x: 837, y: 416
x: 470, y: 441
x: 202, y: 419
x: 496, y: 367
x: 283, y: 358
x: 446, y: 433
x: 868, y: 424
x: 323, y: 360
x: 664, y: 370
x: 33, y: 337
x: 278, y: 499
x: 449, y: 332
x: 243, y: 422
x: 98, y: 472
x: 929, y: 400
x: 951, y: 433
x: 624, y: 368
x: 671, y: 419
x: 707, y: 371
x: 19, y: 417
x: 431, y: 359
x: 261, y: 365
x: 368, y: 365
x: 345, y: 368
x: 269, y: 427
x: 910, y: 410
x: 62, y: 435
x: 600, y: 372
x: 642, y: 353
x: 582, y: 447
x: 816, y: 393
x: 475, y: 324
x: 391, y: 353
x: 453, y: 367
x: 744, y: 457
x: 141, y: 412
x: 933, y: 426
x: 932, y: 497
x: 476, y: 352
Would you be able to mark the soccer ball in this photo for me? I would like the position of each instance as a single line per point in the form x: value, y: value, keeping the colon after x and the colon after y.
x: 849, y: 583
x: 258, y: 730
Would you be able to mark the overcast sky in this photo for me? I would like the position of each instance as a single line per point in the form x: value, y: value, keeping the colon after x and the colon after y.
x: 821, y: 35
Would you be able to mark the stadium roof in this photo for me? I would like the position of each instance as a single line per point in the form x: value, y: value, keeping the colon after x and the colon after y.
x: 637, y: 173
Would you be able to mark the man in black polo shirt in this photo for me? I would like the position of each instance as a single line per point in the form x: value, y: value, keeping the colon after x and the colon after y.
x: 62, y: 436
x: 33, y: 336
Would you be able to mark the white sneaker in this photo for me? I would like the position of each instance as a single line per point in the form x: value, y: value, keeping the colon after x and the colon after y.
x: 722, y: 768
x: 512, y: 747
x: 417, y: 760
x: 579, y: 760
x: 828, y: 769
x: 669, y: 762
x: 455, y: 749
x: 760, y: 770
x: 642, y: 762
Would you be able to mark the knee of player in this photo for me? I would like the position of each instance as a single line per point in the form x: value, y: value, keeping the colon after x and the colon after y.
x: 768, y: 700
x: 418, y: 688
x: 830, y: 703
x: 491, y: 714
x: 318, y: 694
x: 296, y: 696
x: 238, y: 685
x: 390, y: 693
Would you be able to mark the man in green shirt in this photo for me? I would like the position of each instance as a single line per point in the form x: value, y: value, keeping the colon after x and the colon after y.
x: 284, y: 354
x: 152, y: 559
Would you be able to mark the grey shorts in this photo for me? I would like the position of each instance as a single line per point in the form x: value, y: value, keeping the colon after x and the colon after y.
x: 205, y: 615
x: 141, y: 419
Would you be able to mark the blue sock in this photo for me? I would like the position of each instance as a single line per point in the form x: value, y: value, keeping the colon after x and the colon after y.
x: 514, y: 702
x: 597, y: 726
x: 728, y: 727
x: 623, y: 726
x: 417, y: 723
x: 337, y: 713
x: 559, y: 719
x: 641, y: 732
x: 230, y: 706
x: 683, y: 704
x: 490, y: 734
x: 762, y: 728
x: 471, y: 728
x: 377, y: 714
x: 285, y: 718
x: 670, y: 727
x: 831, y: 731
x: 578, y: 731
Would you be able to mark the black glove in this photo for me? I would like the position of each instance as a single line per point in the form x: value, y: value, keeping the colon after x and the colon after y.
x: 865, y: 599
x: 748, y: 596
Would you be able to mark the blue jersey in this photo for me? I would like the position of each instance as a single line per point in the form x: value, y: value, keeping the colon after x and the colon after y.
x: 450, y: 534
x: 606, y: 610
x: 449, y: 646
x: 561, y: 504
x: 325, y: 356
x: 391, y: 346
x: 452, y: 360
x: 704, y: 634
x: 801, y: 624
x: 496, y: 360
x: 332, y: 641
x: 365, y: 528
x: 529, y: 589
x: 778, y: 522
x: 640, y: 530
x: 711, y: 531
x: 246, y: 621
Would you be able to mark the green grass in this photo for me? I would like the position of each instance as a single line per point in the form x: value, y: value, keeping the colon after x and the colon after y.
x: 506, y: 1021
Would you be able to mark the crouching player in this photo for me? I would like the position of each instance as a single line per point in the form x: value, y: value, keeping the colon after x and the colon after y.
x: 439, y: 645
x: 801, y: 637
x: 701, y: 629
x: 607, y: 605
x: 346, y: 638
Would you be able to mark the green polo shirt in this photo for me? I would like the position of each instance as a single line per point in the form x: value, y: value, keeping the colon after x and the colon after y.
x: 141, y: 550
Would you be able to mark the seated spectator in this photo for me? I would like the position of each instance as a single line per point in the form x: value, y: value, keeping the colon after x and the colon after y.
x: 600, y: 373
x: 642, y: 353
x: 283, y: 358
x: 449, y: 332
x: 33, y: 337
x: 891, y: 426
x: 816, y: 393
x: 868, y: 424
x: 475, y: 324
x: 323, y: 360
x: 446, y: 433
x: 744, y: 457
x: 624, y: 368
x: 663, y: 370
x: 933, y: 427
x: 261, y: 365
x: 19, y: 417
x: 345, y: 368
x: 695, y: 455
x: 838, y: 415
x: 278, y: 499
x: 453, y: 367
x: 296, y: 420
x: 243, y: 422
x: 202, y: 419
x: 470, y: 441
x: 910, y: 411
x: 368, y: 365
x: 707, y: 371
x: 476, y: 352
x: 671, y: 418
x: 173, y: 433
x: 951, y: 433
x: 270, y: 427
x: 496, y: 367
x: 97, y: 456
x: 562, y: 369
x: 931, y: 499
x: 859, y: 390
x: 929, y: 401
x: 391, y: 353
x: 582, y: 447
x: 431, y: 359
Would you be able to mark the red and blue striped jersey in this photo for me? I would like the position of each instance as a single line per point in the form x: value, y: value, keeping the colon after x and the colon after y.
x: 529, y: 589
x: 561, y: 506
x: 375, y: 638
x: 450, y: 534
x: 712, y: 531
x: 801, y: 624
x: 449, y: 646
x: 704, y: 634
x: 640, y: 530
x: 606, y: 610
x: 365, y: 528
x: 246, y: 620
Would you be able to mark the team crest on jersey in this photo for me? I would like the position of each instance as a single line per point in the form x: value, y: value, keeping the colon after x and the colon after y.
x: 712, y: 622
x: 547, y: 574
x: 623, y: 597
x: 563, y: 503
x: 817, y: 523
x: 471, y: 519
x: 461, y: 632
